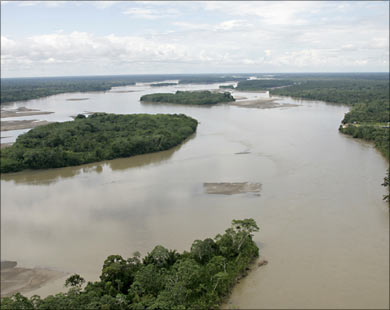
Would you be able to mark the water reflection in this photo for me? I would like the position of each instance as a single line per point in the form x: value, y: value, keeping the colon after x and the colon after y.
x: 51, y: 176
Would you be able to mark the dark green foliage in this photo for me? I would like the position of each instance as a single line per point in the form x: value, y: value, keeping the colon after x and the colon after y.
x: 17, y: 89
x: 262, y: 84
x: 343, y: 91
x: 189, y: 97
x: 99, y: 137
x: 386, y: 183
x: 164, y: 279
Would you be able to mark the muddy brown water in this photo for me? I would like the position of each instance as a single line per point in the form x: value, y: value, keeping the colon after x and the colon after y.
x: 324, y: 228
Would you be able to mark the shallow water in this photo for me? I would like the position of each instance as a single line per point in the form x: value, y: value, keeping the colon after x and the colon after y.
x: 324, y: 228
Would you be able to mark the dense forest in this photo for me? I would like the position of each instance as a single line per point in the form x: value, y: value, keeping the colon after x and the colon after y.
x: 254, y: 85
x: 18, y: 89
x: 189, y: 97
x: 98, y: 137
x: 163, y: 279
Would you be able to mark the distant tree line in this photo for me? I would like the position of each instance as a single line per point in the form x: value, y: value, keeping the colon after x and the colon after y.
x: 190, y: 97
x: 98, y: 137
x: 18, y: 89
x: 164, y: 279
x: 254, y: 85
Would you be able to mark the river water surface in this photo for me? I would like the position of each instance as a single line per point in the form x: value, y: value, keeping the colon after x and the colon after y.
x: 324, y: 228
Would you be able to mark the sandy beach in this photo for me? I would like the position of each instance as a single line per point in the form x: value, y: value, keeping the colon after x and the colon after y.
x: 262, y: 104
x: 17, y: 279
x: 23, y: 124
x: 22, y: 111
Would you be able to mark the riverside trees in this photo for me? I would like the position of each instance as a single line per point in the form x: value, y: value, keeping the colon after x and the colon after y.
x: 164, y: 279
x: 98, y: 137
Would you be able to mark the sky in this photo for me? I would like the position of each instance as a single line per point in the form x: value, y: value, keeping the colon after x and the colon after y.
x: 69, y: 38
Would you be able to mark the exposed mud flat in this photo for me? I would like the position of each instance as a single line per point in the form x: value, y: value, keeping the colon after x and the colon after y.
x: 22, y: 111
x: 232, y: 188
x: 16, y: 279
x: 24, y: 124
x: 262, y: 104
x: 77, y: 99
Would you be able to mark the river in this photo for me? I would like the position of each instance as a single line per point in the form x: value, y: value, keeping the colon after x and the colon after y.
x: 324, y: 228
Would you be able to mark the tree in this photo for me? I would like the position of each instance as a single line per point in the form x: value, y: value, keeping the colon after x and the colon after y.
x: 386, y: 183
x: 75, y: 281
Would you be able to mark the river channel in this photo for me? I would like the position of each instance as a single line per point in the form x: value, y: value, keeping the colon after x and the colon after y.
x: 324, y: 228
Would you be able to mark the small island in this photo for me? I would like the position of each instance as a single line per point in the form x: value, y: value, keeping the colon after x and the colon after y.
x: 227, y: 86
x: 98, y: 137
x: 164, y: 279
x: 190, y: 97
x: 162, y: 84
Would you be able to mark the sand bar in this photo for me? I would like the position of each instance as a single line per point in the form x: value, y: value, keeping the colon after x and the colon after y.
x: 231, y: 188
x: 262, y: 104
x: 76, y: 99
x: 16, y: 279
x: 23, y: 124
x: 22, y: 111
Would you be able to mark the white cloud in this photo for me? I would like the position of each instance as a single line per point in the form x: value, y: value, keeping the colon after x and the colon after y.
x: 104, y: 4
x: 149, y: 13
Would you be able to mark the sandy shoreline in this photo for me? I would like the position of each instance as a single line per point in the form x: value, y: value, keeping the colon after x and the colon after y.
x: 22, y: 111
x: 23, y: 124
x: 76, y: 99
x: 262, y: 104
x: 22, y: 280
x: 232, y: 188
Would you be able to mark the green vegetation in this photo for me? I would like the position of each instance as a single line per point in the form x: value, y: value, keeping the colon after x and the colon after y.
x: 164, y: 279
x: 17, y: 89
x: 189, y: 97
x: 337, y: 90
x: 254, y: 85
x: 162, y: 84
x: 98, y: 137
x: 386, y: 183
x: 227, y: 86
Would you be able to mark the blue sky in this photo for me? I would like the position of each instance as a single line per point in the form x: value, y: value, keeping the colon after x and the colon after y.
x: 49, y: 38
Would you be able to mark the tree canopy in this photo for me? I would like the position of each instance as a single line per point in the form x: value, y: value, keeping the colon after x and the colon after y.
x: 98, y: 137
x: 189, y: 97
x: 163, y: 279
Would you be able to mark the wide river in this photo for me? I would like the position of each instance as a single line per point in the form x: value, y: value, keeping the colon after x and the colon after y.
x: 324, y: 228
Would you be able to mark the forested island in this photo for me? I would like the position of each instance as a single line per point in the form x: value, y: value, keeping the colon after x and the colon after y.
x: 163, y: 279
x: 18, y: 89
x: 97, y: 137
x: 227, y: 86
x: 190, y: 97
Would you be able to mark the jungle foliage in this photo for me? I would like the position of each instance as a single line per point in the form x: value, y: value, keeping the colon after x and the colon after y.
x: 254, y: 85
x: 189, y: 97
x: 163, y: 279
x: 18, y: 89
x: 98, y: 137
